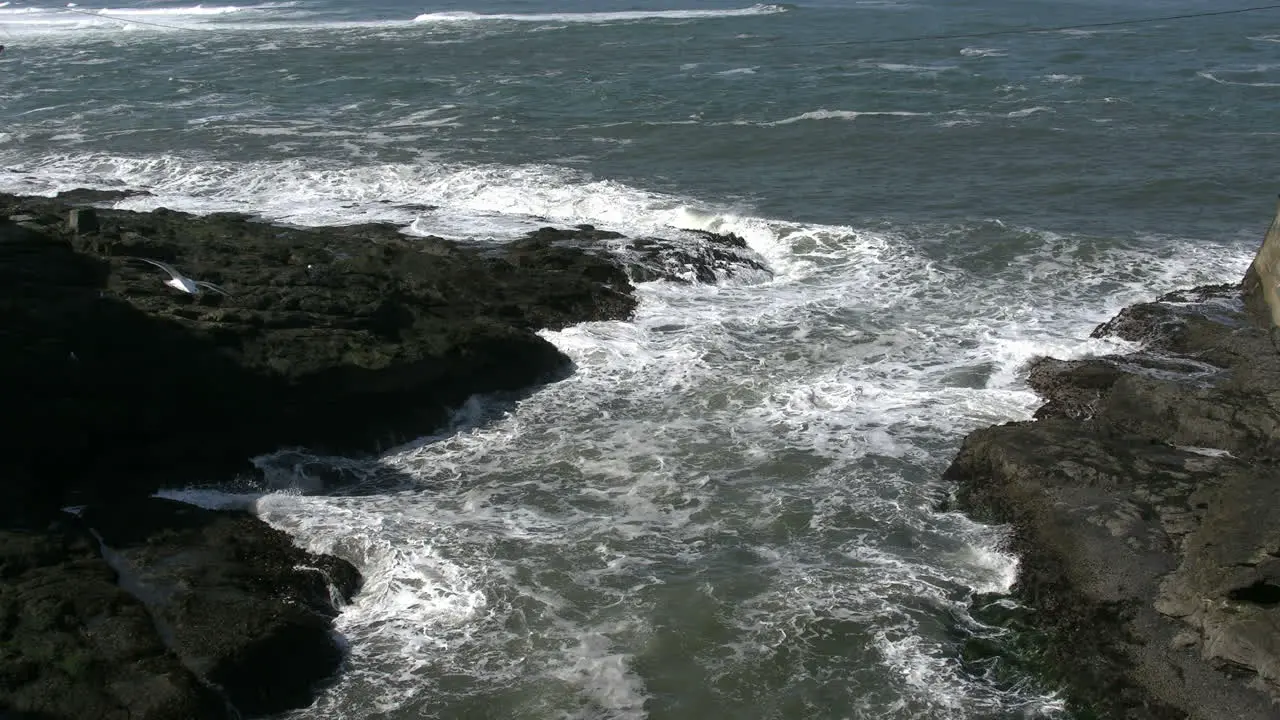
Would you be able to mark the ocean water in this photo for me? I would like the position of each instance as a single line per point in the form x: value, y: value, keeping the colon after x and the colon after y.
x: 729, y: 509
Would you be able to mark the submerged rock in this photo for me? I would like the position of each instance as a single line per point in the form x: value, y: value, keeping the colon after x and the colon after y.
x: 1144, y: 506
x: 88, y: 196
x: 700, y: 256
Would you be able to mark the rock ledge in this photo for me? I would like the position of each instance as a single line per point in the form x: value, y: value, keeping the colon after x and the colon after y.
x: 1144, y: 505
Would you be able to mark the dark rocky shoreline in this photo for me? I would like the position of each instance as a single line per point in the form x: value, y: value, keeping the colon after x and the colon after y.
x: 1141, y: 497
x: 343, y: 340
x: 1144, y: 507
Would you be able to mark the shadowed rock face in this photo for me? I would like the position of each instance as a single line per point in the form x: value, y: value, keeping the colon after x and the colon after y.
x: 1144, y: 504
x: 259, y: 631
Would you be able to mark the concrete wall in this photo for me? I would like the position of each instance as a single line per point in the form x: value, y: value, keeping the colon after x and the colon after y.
x: 1262, y: 281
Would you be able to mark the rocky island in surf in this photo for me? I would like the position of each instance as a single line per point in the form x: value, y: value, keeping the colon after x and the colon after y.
x: 116, y: 603
x: 1145, y: 507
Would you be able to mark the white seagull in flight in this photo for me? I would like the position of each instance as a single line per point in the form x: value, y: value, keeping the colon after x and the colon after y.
x: 181, y: 282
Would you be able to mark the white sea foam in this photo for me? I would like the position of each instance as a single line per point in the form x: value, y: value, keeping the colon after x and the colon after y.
x: 1025, y: 112
x: 79, y: 13
x: 37, y: 21
x: 982, y: 52
x: 195, y: 10
x: 909, y: 68
x: 474, y: 201
x: 677, y: 374
x: 1210, y: 76
x: 1090, y: 32
x: 843, y: 115
x: 291, y: 16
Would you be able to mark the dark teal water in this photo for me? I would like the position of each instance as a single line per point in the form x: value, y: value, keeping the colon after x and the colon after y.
x: 727, y: 511
x: 1132, y: 128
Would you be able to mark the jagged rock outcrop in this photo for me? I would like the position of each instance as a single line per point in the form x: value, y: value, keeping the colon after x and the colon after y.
x: 1144, y: 505
x: 685, y: 256
x: 339, y: 339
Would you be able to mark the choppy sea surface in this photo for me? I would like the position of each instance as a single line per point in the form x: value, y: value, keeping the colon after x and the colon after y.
x: 729, y: 510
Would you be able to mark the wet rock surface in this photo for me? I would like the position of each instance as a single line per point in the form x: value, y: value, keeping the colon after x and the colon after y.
x: 337, y: 340
x: 1144, y: 506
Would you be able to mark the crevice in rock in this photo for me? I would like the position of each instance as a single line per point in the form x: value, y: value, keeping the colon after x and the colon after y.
x: 1260, y: 593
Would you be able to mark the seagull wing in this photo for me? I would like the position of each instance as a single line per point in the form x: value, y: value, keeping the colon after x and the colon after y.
x: 212, y: 287
x: 167, y: 268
